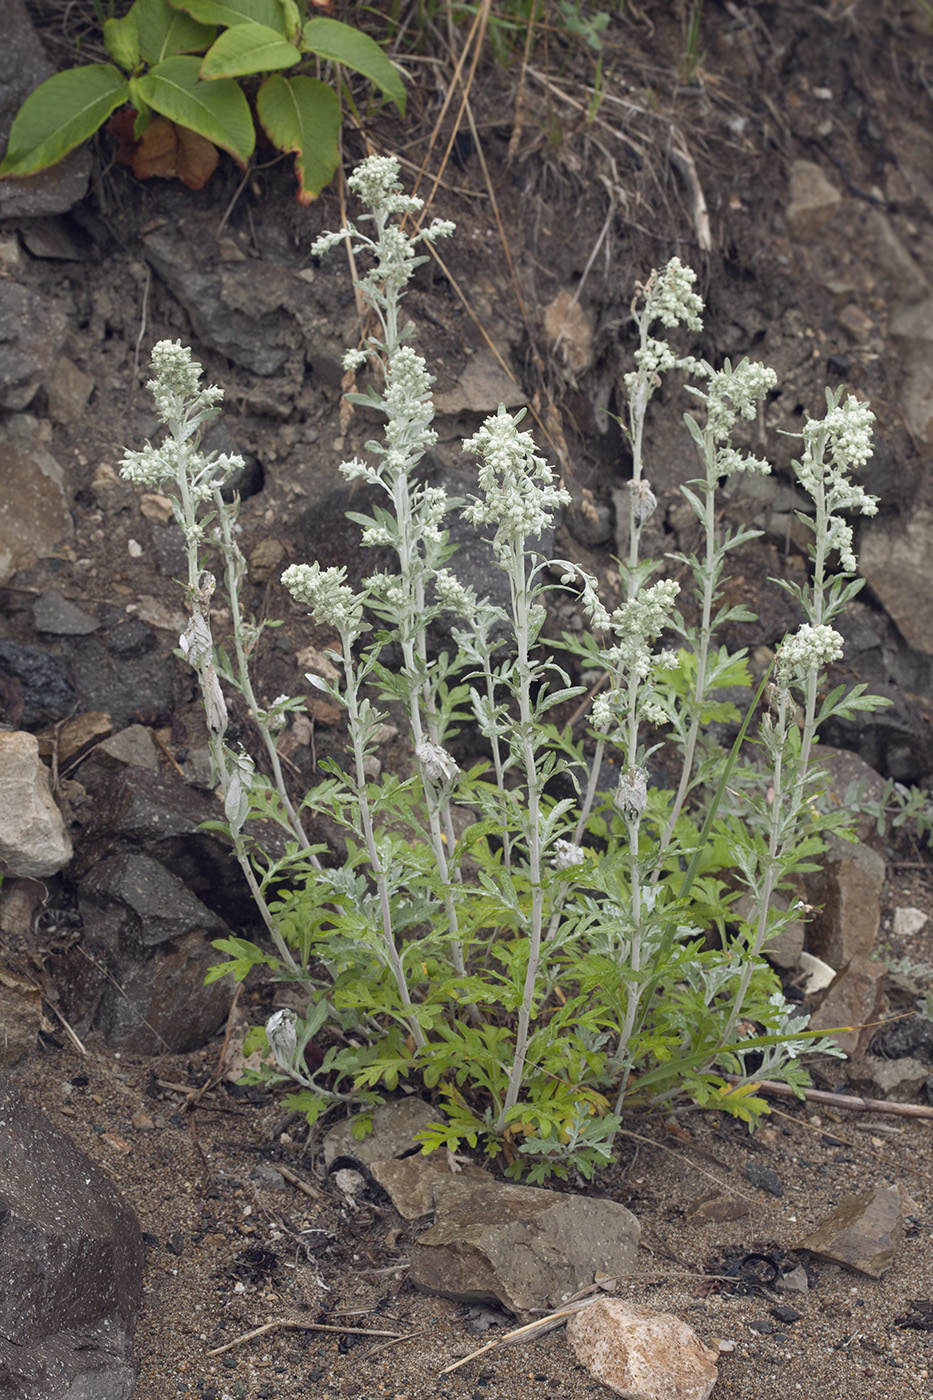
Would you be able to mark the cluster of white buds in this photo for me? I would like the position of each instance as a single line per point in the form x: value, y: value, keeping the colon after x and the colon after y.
x: 631, y: 795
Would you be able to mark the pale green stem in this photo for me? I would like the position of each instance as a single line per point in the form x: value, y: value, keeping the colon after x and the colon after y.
x: 521, y: 602
x: 356, y: 734
x: 232, y: 557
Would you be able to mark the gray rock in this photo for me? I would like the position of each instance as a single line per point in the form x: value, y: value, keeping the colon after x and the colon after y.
x: 480, y: 388
x: 765, y: 1178
x: 67, y: 391
x: 864, y: 1232
x: 151, y: 938
x: 898, y: 1081
x: 53, y: 613
x: 853, y: 1004
x: 813, y: 200
x: 71, y: 1265
x: 520, y: 1246
x: 132, y: 746
x: 32, y: 332
x: 143, y: 683
x: 23, y: 66
x: 394, y: 1126
x: 846, y: 893
x: 410, y: 1181
x: 35, y: 519
x: 894, y: 558
x: 849, y: 782
x: 640, y: 1354
x: 33, y: 840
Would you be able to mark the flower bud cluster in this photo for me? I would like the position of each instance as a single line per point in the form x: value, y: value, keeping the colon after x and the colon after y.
x: 810, y: 648
x: 519, y: 492
x: 325, y: 594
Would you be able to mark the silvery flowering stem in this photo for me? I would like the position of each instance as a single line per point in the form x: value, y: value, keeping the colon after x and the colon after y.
x: 183, y: 405
x: 731, y: 394
x: 235, y: 569
x: 357, y: 736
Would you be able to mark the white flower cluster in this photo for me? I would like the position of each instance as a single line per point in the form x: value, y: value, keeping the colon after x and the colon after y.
x: 847, y: 430
x: 175, y: 383
x: 655, y: 358
x: 735, y: 393
x: 637, y: 623
x: 389, y: 590
x: 670, y: 298
x: 808, y: 649
x: 520, y: 496
x: 151, y: 467
x: 455, y: 596
x: 325, y: 594
x: 376, y: 181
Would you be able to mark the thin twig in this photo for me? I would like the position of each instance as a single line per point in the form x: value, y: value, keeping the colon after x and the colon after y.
x: 301, y: 1327
x: 304, y: 1186
x: 853, y: 1101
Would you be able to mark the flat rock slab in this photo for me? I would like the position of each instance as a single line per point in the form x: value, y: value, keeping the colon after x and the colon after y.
x: 642, y: 1355
x: 72, y: 1265
x: 520, y: 1246
x: 410, y: 1181
x: 393, y: 1130
x: 864, y: 1232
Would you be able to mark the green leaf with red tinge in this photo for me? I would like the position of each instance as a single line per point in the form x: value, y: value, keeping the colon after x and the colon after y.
x: 61, y: 113
x: 302, y: 115
x: 217, y: 110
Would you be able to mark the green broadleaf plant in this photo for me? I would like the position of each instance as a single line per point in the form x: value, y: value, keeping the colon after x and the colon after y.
x: 183, y: 59
x: 541, y: 963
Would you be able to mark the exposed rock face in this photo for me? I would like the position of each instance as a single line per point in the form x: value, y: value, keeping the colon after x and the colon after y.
x: 520, y: 1246
x: 33, y: 840
x: 35, y: 517
x: 71, y: 1270
x: 853, y: 1005
x: 847, y: 896
x: 642, y: 1355
x: 154, y: 937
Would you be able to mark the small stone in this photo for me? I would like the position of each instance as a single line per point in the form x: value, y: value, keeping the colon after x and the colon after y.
x: 132, y: 745
x: 393, y: 1130
x: 786, y: 1314
x: 795, y: 1281
x: 310, y: 659
x: 76, y: 735
x: 134, y: 549
x: 854, y: 1002
x: 813, y: 200
x: 67, y: 390
x: 847, y: 895
x: 856, y: 323
x: 865, y: 1231
x: 716, y: 1207
x: 908, y: 921
x: 897, y: 1081
x: 520, y: 1246
x: 33, y: 840
x: 322, y: 713
x: 765, y: 1178
x: 640, y: 1354
x: 55, y: 614
x: 156, y: 507
x: 265, y: 559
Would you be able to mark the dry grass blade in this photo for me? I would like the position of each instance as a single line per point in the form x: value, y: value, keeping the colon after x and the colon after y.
x: 301, y: 1327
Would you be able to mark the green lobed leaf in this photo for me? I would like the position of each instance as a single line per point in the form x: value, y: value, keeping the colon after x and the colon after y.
x: 227, y: 12
x: 61, y: 113
x: 248, y: 48
x: 341, y: 43
x: 164, y: 31
x: 121, y: 40
x: 217, y: 110
x: 302, y: 115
